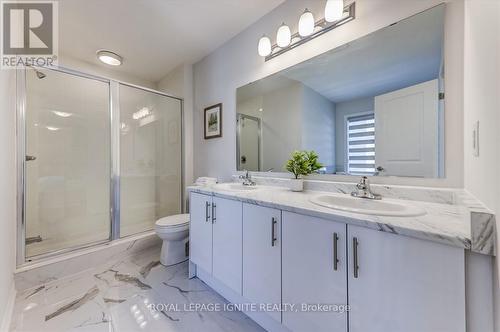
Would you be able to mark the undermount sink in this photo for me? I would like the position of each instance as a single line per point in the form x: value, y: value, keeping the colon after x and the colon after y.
x: 384, y: 207
x: 234, y: 187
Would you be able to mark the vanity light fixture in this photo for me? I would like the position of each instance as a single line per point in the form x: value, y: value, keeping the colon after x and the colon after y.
x: 284, y: 35
x: 336, y: 14
x: 306, y: 23
x: 109, y: 58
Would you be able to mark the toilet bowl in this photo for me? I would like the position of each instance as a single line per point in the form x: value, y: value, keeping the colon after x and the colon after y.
x: 174, y: 231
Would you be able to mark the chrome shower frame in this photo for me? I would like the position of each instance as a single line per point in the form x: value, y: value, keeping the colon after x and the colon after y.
x: 114, y: 114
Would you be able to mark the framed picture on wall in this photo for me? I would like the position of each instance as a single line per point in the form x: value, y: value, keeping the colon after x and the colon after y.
x: 213, y: 121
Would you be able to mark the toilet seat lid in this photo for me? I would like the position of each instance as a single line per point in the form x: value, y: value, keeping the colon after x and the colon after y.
x: 172, y: 221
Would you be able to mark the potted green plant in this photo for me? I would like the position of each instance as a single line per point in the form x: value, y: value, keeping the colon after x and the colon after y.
x: 300, y: 164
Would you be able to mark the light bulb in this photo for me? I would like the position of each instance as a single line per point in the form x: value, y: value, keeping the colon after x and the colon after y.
x: 306, y: 23
x: 284, y: 36
x: 334, y: 10
x: 264, y: 46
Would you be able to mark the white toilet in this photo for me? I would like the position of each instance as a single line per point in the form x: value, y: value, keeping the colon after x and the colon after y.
x: 174, y: 231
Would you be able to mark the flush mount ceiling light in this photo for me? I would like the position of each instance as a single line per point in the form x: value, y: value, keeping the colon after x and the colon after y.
x: 109, y: 58
x: 52, y: 128
x: 335, y: 15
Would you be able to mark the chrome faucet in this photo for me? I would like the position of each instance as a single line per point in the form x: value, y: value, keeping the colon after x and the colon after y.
x: 247, y: 179
x: 363, y: 190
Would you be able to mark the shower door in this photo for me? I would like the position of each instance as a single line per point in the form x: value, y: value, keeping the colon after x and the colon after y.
x: 99, y: 160
x: 150, y: 158
x: 67, y: 167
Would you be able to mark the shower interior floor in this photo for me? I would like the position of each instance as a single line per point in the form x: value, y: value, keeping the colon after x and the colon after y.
x: 117, y: 296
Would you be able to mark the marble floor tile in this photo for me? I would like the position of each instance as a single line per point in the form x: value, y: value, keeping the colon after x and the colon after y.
x: 118, y: 296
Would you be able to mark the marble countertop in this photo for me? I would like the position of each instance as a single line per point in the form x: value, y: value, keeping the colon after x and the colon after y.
x: 465, y: 224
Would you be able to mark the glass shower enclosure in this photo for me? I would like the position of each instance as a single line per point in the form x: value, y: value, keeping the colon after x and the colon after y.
x: 98, y: 160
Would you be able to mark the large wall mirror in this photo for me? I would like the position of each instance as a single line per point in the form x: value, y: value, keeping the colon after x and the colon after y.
x: 373, y: 106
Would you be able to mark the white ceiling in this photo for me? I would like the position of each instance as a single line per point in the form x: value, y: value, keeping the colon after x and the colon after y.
x: 153, y: 36
x: 398, y: 56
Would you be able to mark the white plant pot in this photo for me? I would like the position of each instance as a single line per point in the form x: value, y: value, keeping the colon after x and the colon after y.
x: 297, y: 184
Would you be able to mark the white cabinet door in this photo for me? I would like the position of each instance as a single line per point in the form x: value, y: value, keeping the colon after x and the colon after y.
x: 406, y: 131
x: 314, y: 271
x: 262, y: 256
x: 404, y: 284
x: 200, y: 231
x: 227, y: 242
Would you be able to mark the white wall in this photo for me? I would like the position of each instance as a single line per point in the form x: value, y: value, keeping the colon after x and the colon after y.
x: 482, y: 103
x: 102, y: 70
x: 251, y: 106
x: 363, y: 105
x: 281, y: 127
x: 7, y: 189
x: 237, y: 63
x: 318, y: 126
x: 179, y: 83
x: 293, y: 117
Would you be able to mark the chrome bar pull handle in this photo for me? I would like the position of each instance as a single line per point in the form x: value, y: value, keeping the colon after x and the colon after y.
x: 355, y: 244
x: 335, y: 251
x: 207, y: 214
x: 214, y: 217
x: 273, y: 235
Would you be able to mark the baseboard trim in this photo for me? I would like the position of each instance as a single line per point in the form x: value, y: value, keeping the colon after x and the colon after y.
x: 9, y: 309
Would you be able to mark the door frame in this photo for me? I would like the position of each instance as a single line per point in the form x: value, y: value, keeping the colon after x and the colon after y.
x: 240, y: 116
x: 114, y: 115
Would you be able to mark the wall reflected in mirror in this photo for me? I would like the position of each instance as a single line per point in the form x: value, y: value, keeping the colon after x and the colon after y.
x: 370, y: 107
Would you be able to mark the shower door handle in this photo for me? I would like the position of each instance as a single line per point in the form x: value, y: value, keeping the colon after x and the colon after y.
x: 30, y: 158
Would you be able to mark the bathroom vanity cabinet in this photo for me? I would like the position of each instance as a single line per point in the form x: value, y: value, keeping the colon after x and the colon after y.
x: 392, y: 283
x: 262, y: 256
x: 314, y: 271
x: 216, y: 237
x: 404, y: 284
